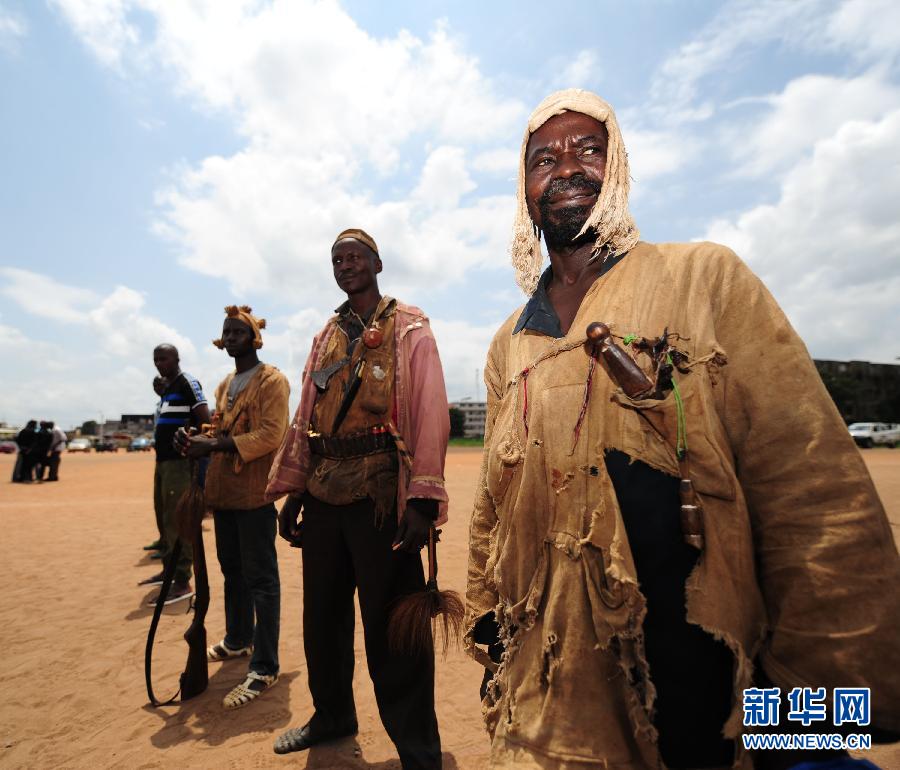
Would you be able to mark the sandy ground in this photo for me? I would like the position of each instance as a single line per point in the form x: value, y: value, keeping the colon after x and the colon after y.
x: 73, y: 625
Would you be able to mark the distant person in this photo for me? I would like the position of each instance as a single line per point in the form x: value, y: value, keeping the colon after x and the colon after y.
x: 40, y: 450
x: 58, y: 440
x: 24, y: 465
x: 183, y: 405
x: 159, y: 387
x: 251, y: 418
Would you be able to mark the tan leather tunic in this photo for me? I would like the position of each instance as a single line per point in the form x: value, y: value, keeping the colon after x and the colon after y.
x: 799, y: 567
x: 340, y: 482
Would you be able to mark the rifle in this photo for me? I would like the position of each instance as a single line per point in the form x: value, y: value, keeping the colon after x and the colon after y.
x: 189, y: 514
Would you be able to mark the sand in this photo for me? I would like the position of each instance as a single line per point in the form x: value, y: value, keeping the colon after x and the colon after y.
x: 73, y: 625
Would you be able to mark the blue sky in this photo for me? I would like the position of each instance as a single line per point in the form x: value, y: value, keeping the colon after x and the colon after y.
x: 161, y: 160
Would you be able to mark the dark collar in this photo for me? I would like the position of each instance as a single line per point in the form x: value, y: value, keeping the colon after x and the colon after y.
x: 538, y: 314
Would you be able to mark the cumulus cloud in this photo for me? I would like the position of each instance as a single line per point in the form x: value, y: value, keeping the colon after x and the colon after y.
x: 102, y: 26
x: 44, y: 296
x: 830, y: 246
x: 335, y: 122
x: 444, y: 179
x: 867, y: 29
x: 809, y: 108
x: 60, y: 383
x: 124, y: 328
x: 118, y: 321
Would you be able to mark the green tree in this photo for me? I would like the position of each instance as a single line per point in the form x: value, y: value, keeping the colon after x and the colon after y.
x: 89, y: 428
x: 457, y: 422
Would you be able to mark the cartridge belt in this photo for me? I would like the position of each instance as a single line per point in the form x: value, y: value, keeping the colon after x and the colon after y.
x: 360, y: 444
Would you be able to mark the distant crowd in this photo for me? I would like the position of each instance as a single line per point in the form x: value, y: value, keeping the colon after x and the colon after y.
x: 40, y: 447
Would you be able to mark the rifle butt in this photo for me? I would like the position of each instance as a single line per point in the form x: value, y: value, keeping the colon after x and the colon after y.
x: 195, y: 678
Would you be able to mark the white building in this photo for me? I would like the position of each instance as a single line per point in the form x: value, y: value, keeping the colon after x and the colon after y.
x: 476, y: 414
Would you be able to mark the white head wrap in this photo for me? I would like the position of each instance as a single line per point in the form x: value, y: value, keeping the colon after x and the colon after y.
x: 610, y: 217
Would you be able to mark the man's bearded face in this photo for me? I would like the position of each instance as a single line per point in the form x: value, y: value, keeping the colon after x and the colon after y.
x: 565, y: 162
x: 561, y: 225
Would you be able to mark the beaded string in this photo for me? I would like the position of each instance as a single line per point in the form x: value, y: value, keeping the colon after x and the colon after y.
x: 681, y: 446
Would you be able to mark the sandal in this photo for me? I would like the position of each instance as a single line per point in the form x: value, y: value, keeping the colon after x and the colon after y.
x: 250, y: 689
x: 221, y: 651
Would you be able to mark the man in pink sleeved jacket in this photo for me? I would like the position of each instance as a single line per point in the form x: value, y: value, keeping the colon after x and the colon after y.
x: 363, y: 460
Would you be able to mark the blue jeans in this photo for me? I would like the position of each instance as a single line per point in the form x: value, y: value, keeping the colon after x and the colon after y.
x: 245, y: 545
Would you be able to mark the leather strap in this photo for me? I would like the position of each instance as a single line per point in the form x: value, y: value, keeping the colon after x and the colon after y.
x: 168, y: 576
x: 361, y: 444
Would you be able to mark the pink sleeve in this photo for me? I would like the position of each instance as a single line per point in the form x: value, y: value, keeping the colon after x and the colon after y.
x: 291, y: 465
x: 429, y: 423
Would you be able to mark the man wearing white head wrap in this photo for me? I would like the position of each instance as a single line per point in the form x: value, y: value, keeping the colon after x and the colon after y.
x: 623, y: 620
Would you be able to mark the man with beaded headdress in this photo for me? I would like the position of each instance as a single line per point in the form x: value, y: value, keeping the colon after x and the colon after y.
x: 639, y: 556
x: 249, y: 423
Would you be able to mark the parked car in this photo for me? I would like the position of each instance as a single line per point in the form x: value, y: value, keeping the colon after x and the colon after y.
x: 140, y: 445
x: 869, y: 434
x: 79, y: 445
x: 106, y: 445
x: 8, y: 447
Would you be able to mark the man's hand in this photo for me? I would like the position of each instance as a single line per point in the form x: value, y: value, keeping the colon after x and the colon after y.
x: 193, y: 445
x: 412, y: 533
x: 288, y: 526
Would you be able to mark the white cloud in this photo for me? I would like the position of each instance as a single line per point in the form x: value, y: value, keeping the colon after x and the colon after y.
x: 124, y: 329
x: 333, y: 119
x: 720, y: 45
x: 261, y: 221
x: 498, y: 161
x: 444, y: 179
x: 830, y: 246
x: 463, y: 348
x: 689, y: 82
x: 102, y: 26
x: 120, y: 326
x: 12, y: 30
x: 866, y: 28
x: 45, y: 297
x: 287, y: 342
x: 56, y: 382
x: 809, y: 108
x: 654, y: 153
x: 579, y: 71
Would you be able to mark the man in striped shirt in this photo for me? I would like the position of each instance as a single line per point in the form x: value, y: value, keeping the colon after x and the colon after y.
x: 183, y: 405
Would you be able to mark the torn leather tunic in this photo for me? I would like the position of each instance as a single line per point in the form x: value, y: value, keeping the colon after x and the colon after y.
x: 374, y: 475
x: 419, y: 402
x: 799, y: 568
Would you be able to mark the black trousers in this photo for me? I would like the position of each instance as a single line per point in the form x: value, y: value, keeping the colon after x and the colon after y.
x: 245, y: 545
x: 344, y: 551
x: 53, y: 464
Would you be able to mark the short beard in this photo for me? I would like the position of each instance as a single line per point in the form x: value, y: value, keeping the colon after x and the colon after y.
x: 561, y: 227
